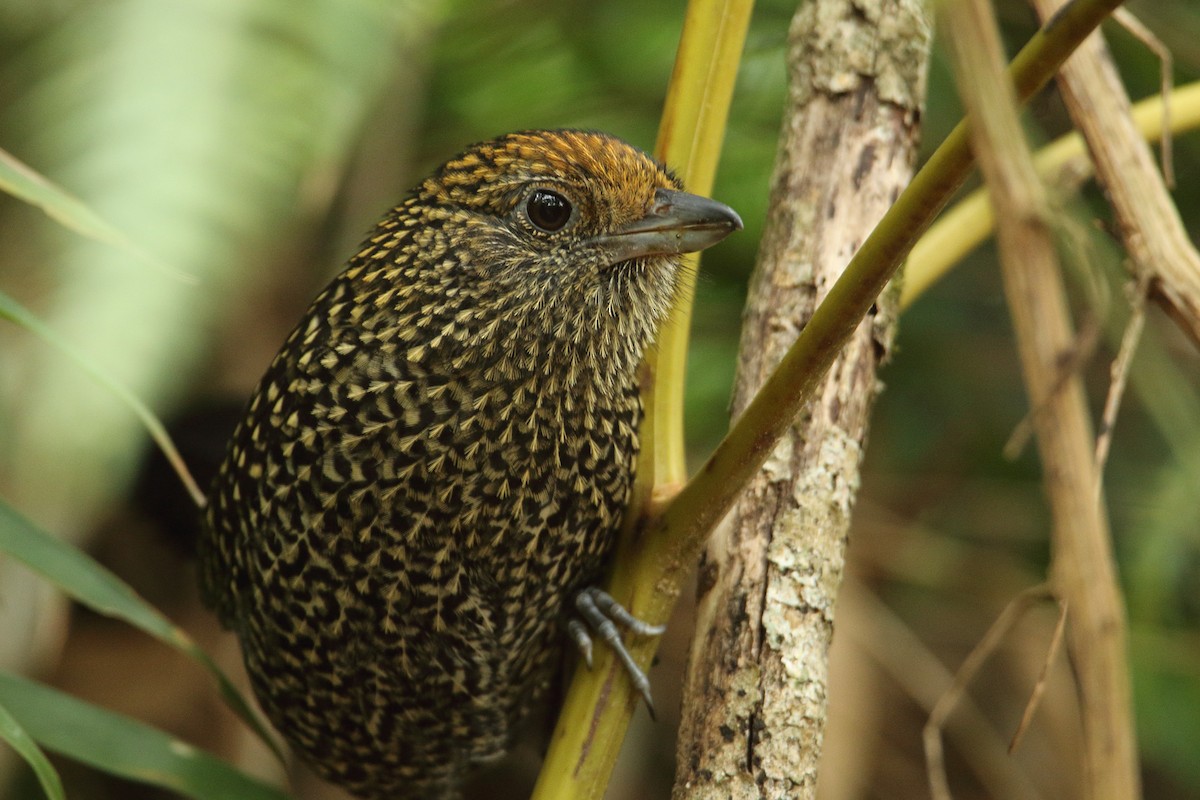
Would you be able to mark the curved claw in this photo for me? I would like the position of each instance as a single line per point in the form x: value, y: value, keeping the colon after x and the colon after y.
x: 583, y: 641
x: 598, y: 609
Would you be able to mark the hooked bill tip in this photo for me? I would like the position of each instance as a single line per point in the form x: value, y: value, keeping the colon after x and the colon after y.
x: 677, y: 222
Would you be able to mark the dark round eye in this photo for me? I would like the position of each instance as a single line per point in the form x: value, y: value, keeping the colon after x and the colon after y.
x: 548, y: 210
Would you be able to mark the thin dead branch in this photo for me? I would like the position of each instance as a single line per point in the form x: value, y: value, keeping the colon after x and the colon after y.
x: 952, y: 697
x: 1082, y: 570
x: 1150, y: 227
x: 1039, y: 686
x: 1119, y: 376
x: 1166, y: 67
x: 1071, y: 363
x: 890, y: 643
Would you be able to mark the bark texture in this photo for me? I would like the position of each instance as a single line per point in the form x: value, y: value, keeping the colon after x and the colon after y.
x: 756, y: 687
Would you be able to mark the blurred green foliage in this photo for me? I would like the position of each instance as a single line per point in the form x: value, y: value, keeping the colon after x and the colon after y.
x: 249, y: 143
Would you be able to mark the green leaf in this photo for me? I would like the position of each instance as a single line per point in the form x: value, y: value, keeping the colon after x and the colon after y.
x: 17, y: 737
x: 210, y: 132
x: 122, y: 746
x: 86, y: 581
x: 23, y: 182
x: 12, y: 310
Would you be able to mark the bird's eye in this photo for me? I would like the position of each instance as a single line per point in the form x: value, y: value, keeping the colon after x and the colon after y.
x: 548, y: 210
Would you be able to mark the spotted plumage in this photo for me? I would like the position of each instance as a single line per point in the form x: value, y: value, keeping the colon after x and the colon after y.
x: 438, y: 459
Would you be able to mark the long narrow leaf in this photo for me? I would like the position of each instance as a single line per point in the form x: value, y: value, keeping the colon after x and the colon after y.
x: 19, y: 739
x: 86, y: 581
x: 202, y: 129
x: 23, y: 182
x: 123, y: 746
x: 12, y: 310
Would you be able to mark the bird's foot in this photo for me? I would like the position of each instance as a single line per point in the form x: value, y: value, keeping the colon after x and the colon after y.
x: 597, y: 613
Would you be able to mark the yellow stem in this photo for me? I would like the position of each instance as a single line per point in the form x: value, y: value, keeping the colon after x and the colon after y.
x: 968, y: 223
x: 582, y: 755
x: 689, y: 141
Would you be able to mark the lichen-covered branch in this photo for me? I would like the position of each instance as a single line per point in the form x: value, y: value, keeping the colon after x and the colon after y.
x: 755, y: 699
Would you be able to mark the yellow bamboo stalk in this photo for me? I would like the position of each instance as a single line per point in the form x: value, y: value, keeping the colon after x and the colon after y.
x: 584, y: 748
x: 970, y: 222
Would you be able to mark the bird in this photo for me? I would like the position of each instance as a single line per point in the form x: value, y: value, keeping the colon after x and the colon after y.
x: 426, y: 486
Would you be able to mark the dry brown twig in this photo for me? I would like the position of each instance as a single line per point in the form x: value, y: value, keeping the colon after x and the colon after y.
x: 1163, y: 259
x: 1082, y: 569
x: 1071, y: 363
x: 1166, y: 61
x: 1149, y: 223
x: 952, y: 697
x: 1039, y: 686
x: 1119, y: 375
x: 888, y: 641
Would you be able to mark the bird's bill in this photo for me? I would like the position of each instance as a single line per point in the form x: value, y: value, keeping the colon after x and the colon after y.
x: 677, y: 222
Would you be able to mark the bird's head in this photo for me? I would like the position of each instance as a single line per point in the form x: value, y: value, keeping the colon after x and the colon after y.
x: 574, y: 228
x: 533, y: 249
